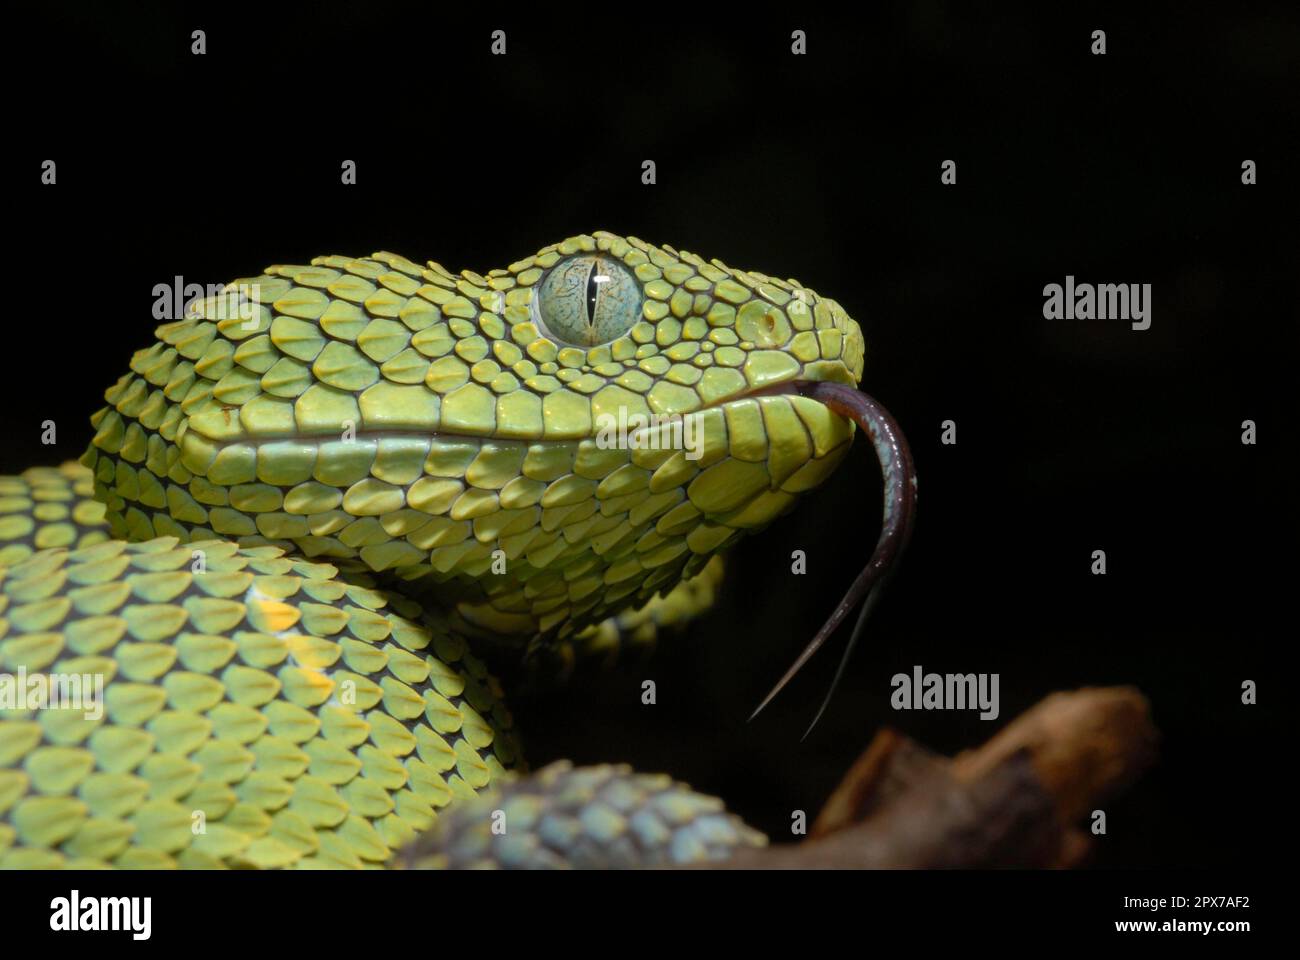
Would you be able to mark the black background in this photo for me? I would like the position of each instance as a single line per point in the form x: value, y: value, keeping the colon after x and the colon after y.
x: 1072, y: 435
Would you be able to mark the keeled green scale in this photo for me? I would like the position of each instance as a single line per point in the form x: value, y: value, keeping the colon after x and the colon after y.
x: 49, y: 507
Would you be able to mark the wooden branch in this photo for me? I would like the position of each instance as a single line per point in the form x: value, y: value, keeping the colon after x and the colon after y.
x: 1016, y: 801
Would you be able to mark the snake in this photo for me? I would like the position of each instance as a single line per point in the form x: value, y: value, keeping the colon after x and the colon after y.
x: 257, y: 623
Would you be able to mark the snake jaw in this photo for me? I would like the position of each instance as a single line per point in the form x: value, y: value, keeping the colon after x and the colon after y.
x: 898, y: 514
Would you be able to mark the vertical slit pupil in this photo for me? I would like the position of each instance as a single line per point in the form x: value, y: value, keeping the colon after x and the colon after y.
x: 593, y: 288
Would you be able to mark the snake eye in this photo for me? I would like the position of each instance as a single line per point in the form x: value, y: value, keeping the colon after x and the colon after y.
x: 588, y: 300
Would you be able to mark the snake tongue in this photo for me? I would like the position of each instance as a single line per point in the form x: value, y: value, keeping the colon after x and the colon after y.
x: 895, y: 526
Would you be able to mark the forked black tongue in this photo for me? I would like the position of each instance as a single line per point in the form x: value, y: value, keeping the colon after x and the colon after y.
x: 895, y: 525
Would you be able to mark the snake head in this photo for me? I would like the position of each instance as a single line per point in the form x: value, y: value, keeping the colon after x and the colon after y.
x: 541, y: 446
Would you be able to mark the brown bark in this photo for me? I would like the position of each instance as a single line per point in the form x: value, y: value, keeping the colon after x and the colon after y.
x: 1016, y: 801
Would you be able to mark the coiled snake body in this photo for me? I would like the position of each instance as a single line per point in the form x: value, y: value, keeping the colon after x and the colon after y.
x: 321, y: 496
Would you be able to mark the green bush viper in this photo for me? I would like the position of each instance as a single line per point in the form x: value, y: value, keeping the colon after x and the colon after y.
x: 322, y: 497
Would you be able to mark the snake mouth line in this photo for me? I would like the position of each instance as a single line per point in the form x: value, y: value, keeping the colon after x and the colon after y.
x: 898, y: 513
x: 799, y: 387
x: 795, y: 386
